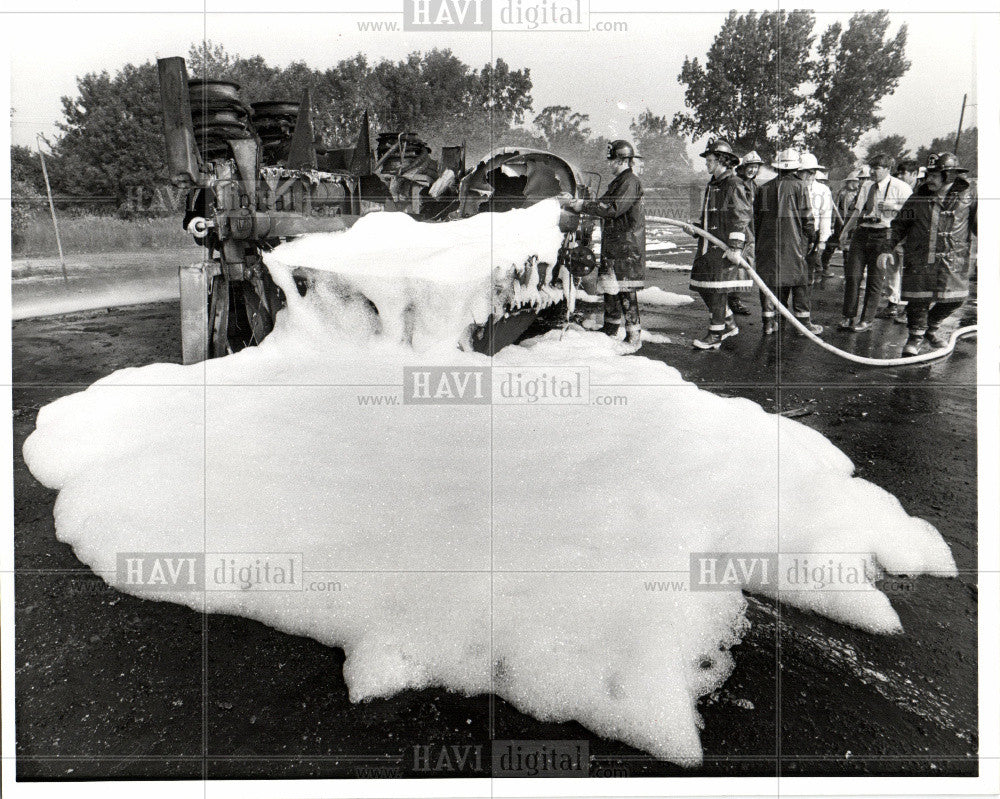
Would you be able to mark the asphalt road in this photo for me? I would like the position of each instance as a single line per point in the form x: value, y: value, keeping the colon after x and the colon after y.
x: 111, y: 686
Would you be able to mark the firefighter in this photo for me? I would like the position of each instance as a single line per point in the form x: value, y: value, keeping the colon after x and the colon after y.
x: 747, y: 171
x: 783, y: 220
x: 622, y: 271
x: 935, y: 227
x: 884, y: 197
x: 726, y: 213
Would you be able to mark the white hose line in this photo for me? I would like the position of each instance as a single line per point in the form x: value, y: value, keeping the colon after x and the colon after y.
x: 933, y: 355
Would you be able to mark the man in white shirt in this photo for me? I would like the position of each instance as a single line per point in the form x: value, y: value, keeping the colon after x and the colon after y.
x: 821, y: 200
x: 884, y: 197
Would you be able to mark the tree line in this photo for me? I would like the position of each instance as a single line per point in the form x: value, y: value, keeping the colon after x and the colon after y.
x: 767, y: 80
x: 109, y: 142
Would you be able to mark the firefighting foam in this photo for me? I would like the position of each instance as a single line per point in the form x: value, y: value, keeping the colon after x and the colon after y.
x: 528, y: 550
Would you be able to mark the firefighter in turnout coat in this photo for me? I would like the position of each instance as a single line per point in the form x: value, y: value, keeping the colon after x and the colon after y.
x: 783, y: 221
x: 726, y: 213
x: 747, y: 171
x: 622, y: 271
x: 935, y: 227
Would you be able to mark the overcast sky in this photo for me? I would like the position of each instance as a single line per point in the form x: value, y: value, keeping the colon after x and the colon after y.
x: 610, y: 76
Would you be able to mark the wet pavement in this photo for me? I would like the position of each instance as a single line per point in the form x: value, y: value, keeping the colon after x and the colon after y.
x: 109, y: 685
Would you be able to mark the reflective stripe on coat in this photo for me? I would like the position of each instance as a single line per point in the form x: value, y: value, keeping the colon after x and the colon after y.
x: 936, y: 233
x: 726, y: 213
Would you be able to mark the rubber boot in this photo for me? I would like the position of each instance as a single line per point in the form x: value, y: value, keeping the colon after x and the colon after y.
x: 936, y: 338
x: 913, y: 343
x: 712, y: 340
x: 770, y: 325
x: 633, y: 337
x: 737, y: 306
x: 812, y: 327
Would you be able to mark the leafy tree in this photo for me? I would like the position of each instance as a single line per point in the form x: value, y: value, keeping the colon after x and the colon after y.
x: 110, y: 148
x: 763, y: 88
x: 664, y: 152
x: 27, y: 190
x: 559, y: 124
x: 748, y: 88
x: 892, y: 145
x: 854, y: 69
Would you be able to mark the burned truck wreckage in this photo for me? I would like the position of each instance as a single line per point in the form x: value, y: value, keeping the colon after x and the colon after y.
x: 257, y: 175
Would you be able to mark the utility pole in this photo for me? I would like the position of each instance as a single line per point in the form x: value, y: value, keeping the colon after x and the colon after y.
x: 52, y: 208
x: 961, y: 117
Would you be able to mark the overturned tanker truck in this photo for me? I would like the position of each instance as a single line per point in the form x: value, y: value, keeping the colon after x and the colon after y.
x: 256, y: 175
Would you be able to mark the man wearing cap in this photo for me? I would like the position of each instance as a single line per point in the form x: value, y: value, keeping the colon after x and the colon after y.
x: 883, y: 199
x: 783, y: 220
x: 622, y: 271
x: 821, y: 201
x: 935, y: 227
x: 726, y: 213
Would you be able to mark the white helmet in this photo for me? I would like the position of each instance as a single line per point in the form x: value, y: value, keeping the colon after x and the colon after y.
x: 808, y: 161
x: 821, y: 175
x: 853, y: 175
x: 787, y: 160
x: 751, y: 158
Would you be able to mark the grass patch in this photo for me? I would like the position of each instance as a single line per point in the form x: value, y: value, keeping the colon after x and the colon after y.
x: 89, y: 233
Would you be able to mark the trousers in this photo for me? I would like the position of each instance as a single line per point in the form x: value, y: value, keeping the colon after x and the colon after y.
x: 862, y: 257
x: 921, y: 315
x: 795, y: 298
x: 623, y: 305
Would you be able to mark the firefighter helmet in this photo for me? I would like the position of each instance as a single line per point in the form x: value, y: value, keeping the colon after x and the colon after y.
x: 808, y: 161
x: 620, y: 148
x: 944, y: 162
x: 722, y: 150
x: 751, y: 158
x: 787, y: 160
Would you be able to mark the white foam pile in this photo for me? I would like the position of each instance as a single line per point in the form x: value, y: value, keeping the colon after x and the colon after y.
x: 654, y: 295
x: 427, y: 287
x: 506, y: 548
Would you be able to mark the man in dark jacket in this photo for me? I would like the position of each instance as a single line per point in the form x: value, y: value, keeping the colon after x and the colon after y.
x: 623, y: 243
x: 726, y: 213
x: 935, y: 227
x: 784, y: 226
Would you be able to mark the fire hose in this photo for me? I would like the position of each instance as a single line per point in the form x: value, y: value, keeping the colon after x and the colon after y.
x: 933, y: 355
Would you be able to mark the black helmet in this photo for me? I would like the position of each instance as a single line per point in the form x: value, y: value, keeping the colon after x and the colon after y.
x: 944, y: 162
x: 723, y: 149
x: 620, y: 148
